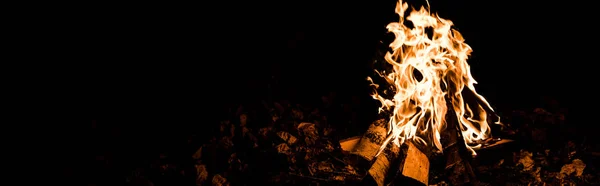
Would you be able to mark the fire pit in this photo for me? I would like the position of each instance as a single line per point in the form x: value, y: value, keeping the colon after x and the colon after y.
x: 431, y: 102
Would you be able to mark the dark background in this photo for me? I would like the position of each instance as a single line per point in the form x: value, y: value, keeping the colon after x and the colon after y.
x: 149, y: 74
x: 186, y: 60
x: 153, y: 68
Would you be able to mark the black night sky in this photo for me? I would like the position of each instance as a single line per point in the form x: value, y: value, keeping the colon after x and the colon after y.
x: 174, y: 67
x: 181, y: 59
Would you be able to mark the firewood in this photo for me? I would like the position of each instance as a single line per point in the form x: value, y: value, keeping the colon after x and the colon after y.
x: 398, y: 165
x: 458, y: 157
x: 349, y: 144
x: 404, y: 165
x: 381, y: 172
x: 416, y: 164
x: 363, y: 153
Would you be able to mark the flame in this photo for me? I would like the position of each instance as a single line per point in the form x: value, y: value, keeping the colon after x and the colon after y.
x: 420, y: 104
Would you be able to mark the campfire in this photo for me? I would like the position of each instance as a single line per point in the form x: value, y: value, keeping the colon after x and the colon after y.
x: 433, y: 127
x: 430, y: 99
x: 429, y: 77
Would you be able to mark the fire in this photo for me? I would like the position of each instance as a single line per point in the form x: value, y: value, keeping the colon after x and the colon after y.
x: 421, y: 100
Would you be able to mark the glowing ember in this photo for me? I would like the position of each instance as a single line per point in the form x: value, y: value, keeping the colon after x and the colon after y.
x: 421, y: 100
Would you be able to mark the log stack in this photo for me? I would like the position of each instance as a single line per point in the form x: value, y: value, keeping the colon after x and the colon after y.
x: 402, y: 165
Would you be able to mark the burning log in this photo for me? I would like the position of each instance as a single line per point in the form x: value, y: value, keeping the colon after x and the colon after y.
x: 396, y: 164
x: 456, y: 153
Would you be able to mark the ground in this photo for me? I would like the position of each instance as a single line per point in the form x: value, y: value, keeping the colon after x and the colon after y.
x: 281, y: 142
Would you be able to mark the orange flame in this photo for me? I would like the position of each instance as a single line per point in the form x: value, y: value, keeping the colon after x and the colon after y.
x: 420, y: 105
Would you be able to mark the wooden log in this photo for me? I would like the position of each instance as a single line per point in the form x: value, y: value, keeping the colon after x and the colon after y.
x: 458, y: 157
x: 381, y: 172
x: 406, y: 164
x: 416, y: 164
x: 364, y: 151
x: 371, y: 141
x: 349, y: 144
